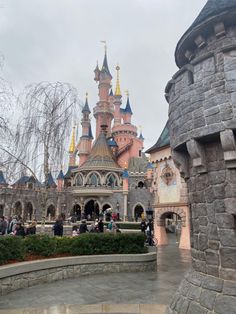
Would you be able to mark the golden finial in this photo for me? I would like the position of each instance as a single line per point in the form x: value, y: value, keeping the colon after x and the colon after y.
x: 140, y: 128
x: 118, y: 92
x: 72, y: 142
x: 127, y: 93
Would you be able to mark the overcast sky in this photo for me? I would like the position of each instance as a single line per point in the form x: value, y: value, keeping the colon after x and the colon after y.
x: 59, y: 40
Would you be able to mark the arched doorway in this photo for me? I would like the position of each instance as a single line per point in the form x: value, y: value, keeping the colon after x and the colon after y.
x: 138, y: 210
x: 172, y: 224
x: 51, y: 212
x: 1, y: 210
x: 28, y: 213
x: 18, y: 209
x: 91, y: 210
x: 106, y: 208
x: 76, y: 212
x: 140, y: 185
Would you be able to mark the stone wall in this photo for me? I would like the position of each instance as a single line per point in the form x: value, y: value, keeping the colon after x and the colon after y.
x: 27, y: 274
x: 202, y: 112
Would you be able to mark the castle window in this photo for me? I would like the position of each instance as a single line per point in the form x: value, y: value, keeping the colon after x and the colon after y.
x: 167, y: 175
x: 111, y: 180
x: 79, y: 180
x: 94, y: 180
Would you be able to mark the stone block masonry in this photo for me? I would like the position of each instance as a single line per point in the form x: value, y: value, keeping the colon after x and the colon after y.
x: 27, y: 274
x: 202, y: 113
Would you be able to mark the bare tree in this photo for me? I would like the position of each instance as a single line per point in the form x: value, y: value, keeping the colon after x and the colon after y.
x: 43, y: 131
x: 48, y: 111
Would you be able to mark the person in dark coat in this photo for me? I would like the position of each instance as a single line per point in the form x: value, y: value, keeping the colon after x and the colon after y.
x: 143, y: 226
x: 100, y: 226
x: 83, y: 227
x: 58, y: 228
x: 19, y: 230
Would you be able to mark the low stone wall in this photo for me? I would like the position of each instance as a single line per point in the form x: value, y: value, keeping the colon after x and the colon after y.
x: 27, y: 274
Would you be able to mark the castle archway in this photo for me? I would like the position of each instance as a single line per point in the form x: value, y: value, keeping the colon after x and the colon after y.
x: 138, y: 211
x: 28, y: 212
x: 18, y: 209
x: 91, y: 209
x: 51, y: 212
x: 76, y: 211
x: 172, y: 220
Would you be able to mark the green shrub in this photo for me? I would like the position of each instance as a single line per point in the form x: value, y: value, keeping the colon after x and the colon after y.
x: 63, y: 244
x: 108, y: 243
x: 40, y: 245
x: 15, y: 248
x: 11, y: 248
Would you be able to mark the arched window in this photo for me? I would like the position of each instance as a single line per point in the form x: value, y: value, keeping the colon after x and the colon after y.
x: 111, y: 180
x: 79, y: 180
x: 94, y: 179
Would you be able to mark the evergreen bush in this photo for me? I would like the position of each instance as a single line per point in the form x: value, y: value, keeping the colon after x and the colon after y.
x: 11, y: 248
x: 16, y: 248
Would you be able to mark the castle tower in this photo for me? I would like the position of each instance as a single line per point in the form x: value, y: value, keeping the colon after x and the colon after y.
x: 127, y: 112
x: 60, y: 181
x: 85, y: 143
x: 125, y: 135
x: 202, y: 108
x: 72, y: 149
x: 117, y: 100
x: 103, y: 109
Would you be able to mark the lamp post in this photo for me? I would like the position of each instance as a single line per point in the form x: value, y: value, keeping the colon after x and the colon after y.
x: 149, y: 211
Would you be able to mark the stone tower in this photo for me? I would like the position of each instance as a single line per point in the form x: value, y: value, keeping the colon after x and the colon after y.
x: 104, y: 109
x: 202, y: 113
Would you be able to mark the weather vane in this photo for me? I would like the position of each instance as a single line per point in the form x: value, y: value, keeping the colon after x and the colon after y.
x: 105, y: 44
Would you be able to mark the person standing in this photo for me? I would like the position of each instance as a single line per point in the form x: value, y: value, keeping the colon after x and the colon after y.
x: 100, y: 226
x: 58, y: 228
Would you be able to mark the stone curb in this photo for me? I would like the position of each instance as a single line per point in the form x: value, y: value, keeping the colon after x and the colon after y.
x: 25, y: 267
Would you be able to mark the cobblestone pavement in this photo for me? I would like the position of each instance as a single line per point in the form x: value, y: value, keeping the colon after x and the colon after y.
x: 112, y: 293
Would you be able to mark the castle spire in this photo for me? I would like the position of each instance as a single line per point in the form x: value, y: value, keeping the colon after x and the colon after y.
x: 72, y: 142
x: 118, y: 92
x: 105, y: 67
x: 86, y: 106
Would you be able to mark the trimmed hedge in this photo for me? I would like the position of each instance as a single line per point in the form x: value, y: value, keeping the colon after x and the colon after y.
x: 17, y: 248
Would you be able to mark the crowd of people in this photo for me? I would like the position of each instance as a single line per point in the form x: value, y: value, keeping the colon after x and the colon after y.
x: 97, y: 227
x: 15, y: 226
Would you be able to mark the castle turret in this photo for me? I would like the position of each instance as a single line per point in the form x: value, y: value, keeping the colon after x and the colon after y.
x: 72, y: 149
x: 87, y: 137
x: 202, y: 122
x: 60, y: 181
x: 117, y: 100
x: 103, y: 107
x: 127, y: 112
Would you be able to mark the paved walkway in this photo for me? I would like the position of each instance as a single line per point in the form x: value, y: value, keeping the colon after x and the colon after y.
x: 132, y: 293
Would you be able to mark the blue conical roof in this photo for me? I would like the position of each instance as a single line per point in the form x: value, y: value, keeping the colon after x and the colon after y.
x: 86, y: 107
x: 2, y: 179
x: 128, y: 108
x: 60, y: 175
x: 125, y: 174
x: 111, y: 92
x: 105, y: 67
x: 50, y: 182
x: 141, y: 137
x: 163, y: 140
x: 112, y: 143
